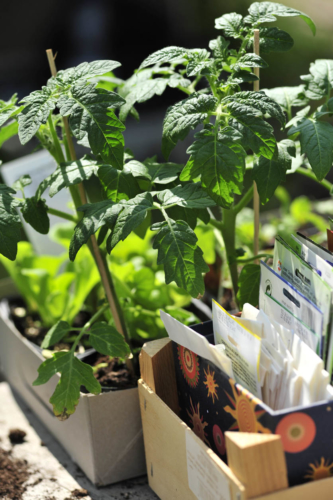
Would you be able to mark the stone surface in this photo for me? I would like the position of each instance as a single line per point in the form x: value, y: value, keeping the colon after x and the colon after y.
x: 54, y: 476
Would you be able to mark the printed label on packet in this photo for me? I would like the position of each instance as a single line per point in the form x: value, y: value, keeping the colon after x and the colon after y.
x: 241, y: 346
x: 284, y: 303
x: 204, y: 478
x: 291, y: 267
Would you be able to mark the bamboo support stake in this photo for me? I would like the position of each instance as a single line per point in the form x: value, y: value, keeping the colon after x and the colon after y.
x: 104, y: 272
x: 256, y: 202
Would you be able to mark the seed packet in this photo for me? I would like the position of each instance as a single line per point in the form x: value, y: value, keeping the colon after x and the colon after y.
x: 241, y: 345
x: 189, y: 339
x: 292, y: 268
x: 318, y: 257
x: 286, y: 305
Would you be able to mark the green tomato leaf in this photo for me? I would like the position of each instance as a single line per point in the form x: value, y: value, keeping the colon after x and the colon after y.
x: 181, y: 257
x: 288, y: 97
x: 257, y: 134
x: 274, y: 40
x: 10, y: 223
x: 265, y: 12
x: 268, y: 174
x: 95, y: 216
x: 8, y: 109
x: 219, y: 47
x: 257, y: 101
x: 197, y: 61
x: 39, y: 105
x: 169, y: 54
x: 22, y: 182
x: 34, y: 211
x: 74, y: 373
x: 133, y: 213
x: 86, y: 70
x: 184, y: 116
x: 138, y: 169
x: 177, y: 80
x: 188, y: 215
x: 231, y: 24
x: 189, y: 196
x: 242, y: 76
x: 119, y: 184
x: 106, y: 340
x: 164, y: 173
x: 251, y: 61
x: 319, y: 82
x: 55, y: 334
x: 221, y: 167
x: 69, y: 174
x: 142, y: 91
x: 316, y: 138
x: 7, y: 132
x: 248, y: 285
x: 91, y: 115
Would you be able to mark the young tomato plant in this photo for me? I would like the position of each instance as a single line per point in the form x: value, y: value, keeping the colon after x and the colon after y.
x: 235, y: 136
x: 130, y: 192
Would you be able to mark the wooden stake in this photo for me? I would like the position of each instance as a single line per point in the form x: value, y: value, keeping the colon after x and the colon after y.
x: 95, y: 248
x: 256, y: 202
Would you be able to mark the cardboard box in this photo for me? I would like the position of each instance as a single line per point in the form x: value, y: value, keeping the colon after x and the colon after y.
x: 182, y: 467
x: 104, y: 436
x: 224, y: 405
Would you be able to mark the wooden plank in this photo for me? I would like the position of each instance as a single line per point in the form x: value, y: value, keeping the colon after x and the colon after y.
x: 258, y: 460
x: 158, y: 371
x: 315, y: 490
x: 165, y: 445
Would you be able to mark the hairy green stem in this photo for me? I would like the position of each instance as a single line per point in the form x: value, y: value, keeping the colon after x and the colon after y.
x: 308, y: 173
x: 244, y: 201
x: 79, y: 198
x: 61, y: 214
x: 88, y: 325
x: 60, y: 154
x: 216, y: 223
x: 228, y: 230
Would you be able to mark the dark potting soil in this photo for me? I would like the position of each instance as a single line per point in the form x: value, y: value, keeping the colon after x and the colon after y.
x: 113, y: 376
x: 13, y: 474
x: 30, y: 325
x: 16, y: 436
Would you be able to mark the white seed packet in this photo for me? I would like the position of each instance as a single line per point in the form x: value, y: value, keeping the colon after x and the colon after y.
x: 322, y: 266
x: 322, y: 252
x: 241, y: 345
x: 292, y: 268
x: 286, y: 305
x: 196, y: 343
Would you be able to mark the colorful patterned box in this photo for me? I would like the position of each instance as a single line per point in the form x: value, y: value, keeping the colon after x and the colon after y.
x: 212, y: 403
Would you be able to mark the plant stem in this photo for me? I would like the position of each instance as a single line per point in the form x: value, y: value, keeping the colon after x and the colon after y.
x: 308, y: 173
x: 89, y: 324
x: 61, y: 214
x: 244, y: 201
x: 228, y: 230
x: 79, y: 198
x: 255, y: 257
x: 60, y: 154
x: 216, y: 223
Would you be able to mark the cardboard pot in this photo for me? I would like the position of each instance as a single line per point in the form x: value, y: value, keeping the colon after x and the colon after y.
x: 104, y: 436
x: 182, y: 467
